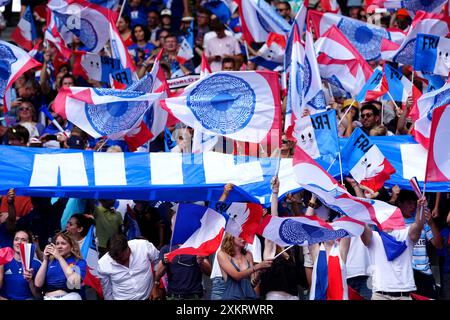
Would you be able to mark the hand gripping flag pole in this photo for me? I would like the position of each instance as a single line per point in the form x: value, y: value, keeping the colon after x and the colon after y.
x: 53, y: 120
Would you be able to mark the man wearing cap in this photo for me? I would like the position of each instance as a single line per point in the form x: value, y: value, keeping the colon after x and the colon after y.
x: 166, y: 20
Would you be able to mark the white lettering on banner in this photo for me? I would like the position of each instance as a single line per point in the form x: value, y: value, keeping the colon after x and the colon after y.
x: 414, y: 158
x: 47, y: 167
x: 220, y: 168
x: 182, y: 81
x: 109, y: 169
x: 166, y: 168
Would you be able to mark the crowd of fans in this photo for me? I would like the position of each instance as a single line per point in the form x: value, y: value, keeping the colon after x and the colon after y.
x: 132, y: 267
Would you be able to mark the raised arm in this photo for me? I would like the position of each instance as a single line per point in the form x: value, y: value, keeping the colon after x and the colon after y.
x: 416, y: 228
x: 366, y: 236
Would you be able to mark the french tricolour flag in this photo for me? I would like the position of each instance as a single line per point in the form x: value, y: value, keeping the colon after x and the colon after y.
x: 26, y: 254
x: 438, y: 163
x: 319, y: 280
x: 198, y: 229
x: 400, y: 87
x: 365, y: 162
x: 258, y: 19
x: 25, y: 32
x: 244, y: 220
x: 299, y: 24
x: 432, y: 54
x: 271, y: 54
x: 374, y: 88
x: 15, y: 61
x: 89, y: 253
x: 340, y: 63
x: 311, y: 176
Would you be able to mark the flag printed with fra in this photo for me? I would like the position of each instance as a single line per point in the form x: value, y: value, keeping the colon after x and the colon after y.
x: 432, y: 54
x: 365, y: 162
x: 123, y: 76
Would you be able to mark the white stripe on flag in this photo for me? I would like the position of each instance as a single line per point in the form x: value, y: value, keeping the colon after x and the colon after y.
x: 109, y: 169
x: 414, y: 160
x: 166, y: 168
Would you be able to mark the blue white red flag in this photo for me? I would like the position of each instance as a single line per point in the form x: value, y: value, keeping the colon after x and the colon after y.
x: 244, y: 220
x: 337, y: 276
x: 241, y: 105
x: 93, y: 66
x: 27, y: 254
x: 15, y: 61
x: 258, y: 19
x: 199, y: 229
x: 307, y: 230
x: 432, y: 54
x: 366, y: 38
x: 375, y: 87
x: 319, y: 280
x: 25, y: 32
x: 330, y: 6
x: 299, y: 23
x: 89, y: 253
x: 340, y: 63
x: 400, y: 87
x: 438, y: 162
x: 110, y: 4
x: 425, y: 106
x: 186, y: 49
x: 365, y: 162
x: 103, y: 112
x: 315, y: 179
x: 425, y: 23
x: 220, y: 9
x: 271, y: 54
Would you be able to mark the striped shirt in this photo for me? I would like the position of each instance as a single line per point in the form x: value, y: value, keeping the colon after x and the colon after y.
x: 421, y: 261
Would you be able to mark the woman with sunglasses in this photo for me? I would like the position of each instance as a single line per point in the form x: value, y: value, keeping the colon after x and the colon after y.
x: 26, y: 117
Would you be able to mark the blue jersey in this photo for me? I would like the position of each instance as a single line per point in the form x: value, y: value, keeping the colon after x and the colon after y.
x: 55, y: 277
x: 15, y: 287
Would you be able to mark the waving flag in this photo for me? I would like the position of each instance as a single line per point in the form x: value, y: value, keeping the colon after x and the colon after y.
x: 425, y: 23
x: 438, y: 162
x: 317, y: 135
x: 315, y: 179
x: 319, y: 280
x: 53, y: 35
x: 220, y: 9
x: 244, y: 220
x: 366, y: 38
x: 374, y: 88
x: 118, y: 49
x: 241, y: 105
x: 340, y: 63
x: 199, y: 229
x: 272, y: 53
x: 365, y: 162
x: 337, y: 277
x: 305, y: 230
x: 186, y: 50
x: 93, y: 66
x: 330, y: 6
x: 15, y: 61
x: 89, y: 253
x: 205, y: 68
x: 26, y: 254
x: 299, y: 24
x: 399, y: 86
x: 110, y: 4
x: 435, y: 81
x: 6, y: 255
x: 25, y: 32
x: 413, y: 6
x: 258, y: 19
x: 103, y: 112
x: 432, y: 54
x: 425, y: 105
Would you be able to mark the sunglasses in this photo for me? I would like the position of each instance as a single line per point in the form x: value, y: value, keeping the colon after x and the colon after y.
x: 24, y: 108
x: 366, y: 115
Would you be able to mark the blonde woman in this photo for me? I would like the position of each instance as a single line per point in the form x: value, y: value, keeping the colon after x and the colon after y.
x: 62, y: 270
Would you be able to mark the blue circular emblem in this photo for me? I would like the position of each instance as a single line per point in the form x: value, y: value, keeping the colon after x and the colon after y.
x: 308, y: 76
x: 295, y: 232
x: 223, y: 103
x: 8, y: 58
x: 300, y: 79
x: 366, y: 40
x: 118, y: 93
x: 114, y: 117
x: 406, y: 54
x: 87, y: 34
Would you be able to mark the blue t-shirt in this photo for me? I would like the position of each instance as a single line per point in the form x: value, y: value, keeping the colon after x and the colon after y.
x: 56, y: 279
x: 148, y: 48
x: 15, y: 287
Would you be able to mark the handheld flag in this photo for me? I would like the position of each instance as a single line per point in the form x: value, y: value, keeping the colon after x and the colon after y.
x: 26, y: 254
x: 374, y: 88
x: 271, y: 54
x: 89, y: 253
x: 25, y: 32
x: 432, y: 54
x: 244, y: 220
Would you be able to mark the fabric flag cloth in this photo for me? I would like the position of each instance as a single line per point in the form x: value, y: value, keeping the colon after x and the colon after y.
x: 110, y: 4
x: 258, y: 19
x: 337, y: 276
x: 244, y: 220
x: 432, y: 54
x: 25, y: 32
x: 306, y: 230
x: 53, y: 35
x: 340, y: 63
x: 4, y: 2
x: 315, y: 179
x: 317, y: 135
x: 438, y: 162
x: 366, y: 38
x: 425, y: 23
x: 241, y: 105
x: 435, y: 81
x: 330, y: 6
x: 186, y: 48
x: 220, y: 9
x: 392, y: 247
x: 15, y: 61
x: 26, y: 254
x: 6, y: 255
x: 199, y: 229
x: 103, y: 112
x: 375, y: 87
x: 89, y: 253
x: 299, y: 24
x: 271, y: 54
x: 319, y: 280
x: 426, y: 104
x: 365, y: 162
x: 93, y: 66
x: 399, y: 86
x: 413, y: 6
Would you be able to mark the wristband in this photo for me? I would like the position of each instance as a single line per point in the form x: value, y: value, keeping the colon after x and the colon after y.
x: 157, y: 282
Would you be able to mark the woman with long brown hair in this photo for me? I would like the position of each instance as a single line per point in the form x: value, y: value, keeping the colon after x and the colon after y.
x: 62, y: 270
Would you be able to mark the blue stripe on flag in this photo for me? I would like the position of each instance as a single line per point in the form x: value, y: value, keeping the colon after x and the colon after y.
x: 193, y: 170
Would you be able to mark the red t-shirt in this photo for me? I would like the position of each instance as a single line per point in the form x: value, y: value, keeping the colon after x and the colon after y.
x: 22, y: 204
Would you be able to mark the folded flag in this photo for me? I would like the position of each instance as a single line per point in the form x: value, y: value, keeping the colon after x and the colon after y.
x: 241, y: 105
x: 374, y: 88
x: 432, y: 54
x: 438, y: 162
x: 365, y: 162
x: 6, y: 255
x: 15, y: 61
x: 198, y: 229
x: 25, y: 32
x: 392, y: 247
x: 27, y: 254
x: 315, y: 179
x: 103, y: 112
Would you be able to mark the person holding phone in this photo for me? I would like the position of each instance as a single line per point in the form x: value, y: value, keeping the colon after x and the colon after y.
x: 62, y: 270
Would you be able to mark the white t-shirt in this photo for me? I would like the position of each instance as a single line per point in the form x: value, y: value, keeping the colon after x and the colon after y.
x: 358, y: 259
x: 396, y: 275
x: 219, y: 47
